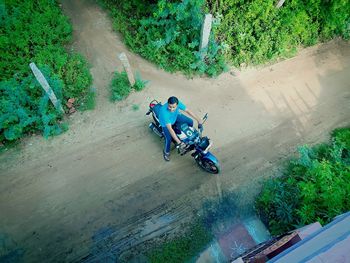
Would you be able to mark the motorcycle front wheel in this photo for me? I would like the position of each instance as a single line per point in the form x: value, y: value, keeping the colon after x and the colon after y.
x: 208, y: 165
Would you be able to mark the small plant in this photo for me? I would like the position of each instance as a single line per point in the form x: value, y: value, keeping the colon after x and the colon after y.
x: 140, y: 84
x: 135, y: 107
x: 120, y: 86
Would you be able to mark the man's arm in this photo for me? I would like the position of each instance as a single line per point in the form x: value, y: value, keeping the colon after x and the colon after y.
x: 173, y: 134
x: 194, y: 116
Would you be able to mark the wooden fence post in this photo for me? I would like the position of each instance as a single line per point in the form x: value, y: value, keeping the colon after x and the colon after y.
x: 124, y: 59
x: 45, y: 85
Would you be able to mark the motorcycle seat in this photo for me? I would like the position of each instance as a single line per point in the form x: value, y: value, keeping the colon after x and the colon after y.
x: 156, y: 109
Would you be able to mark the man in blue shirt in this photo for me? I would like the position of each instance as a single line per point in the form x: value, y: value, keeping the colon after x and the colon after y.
x: 169, y: 116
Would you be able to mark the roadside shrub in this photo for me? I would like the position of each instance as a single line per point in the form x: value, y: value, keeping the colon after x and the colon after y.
x: 168, y: 34
x: 335, y: 19
x: 140, y: 84
x: 315, y: 187
x: 77, y: 78
x: 21, y: 112
x: 246, y: 32
x: 36, y: 31
x: 120, y: 86
x: 256, y: 31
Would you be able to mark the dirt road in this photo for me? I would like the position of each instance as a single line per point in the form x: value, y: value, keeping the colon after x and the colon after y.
x: 103, y: 186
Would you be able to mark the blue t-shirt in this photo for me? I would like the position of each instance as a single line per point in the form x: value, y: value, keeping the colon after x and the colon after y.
x: 168, y: 117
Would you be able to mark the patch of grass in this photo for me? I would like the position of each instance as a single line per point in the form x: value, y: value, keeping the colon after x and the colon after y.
x: 89, y: 101
x: 120, y: 87
x: 183, y: 248
x: 135, y: 107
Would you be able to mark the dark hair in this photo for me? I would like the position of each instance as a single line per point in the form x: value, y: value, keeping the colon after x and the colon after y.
x: 173, y: 100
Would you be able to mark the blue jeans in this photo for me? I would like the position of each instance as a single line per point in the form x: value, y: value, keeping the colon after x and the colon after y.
x: 180, y: 120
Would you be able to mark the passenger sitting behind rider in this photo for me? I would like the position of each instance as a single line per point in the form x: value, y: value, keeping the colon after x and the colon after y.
x: 170, y: 117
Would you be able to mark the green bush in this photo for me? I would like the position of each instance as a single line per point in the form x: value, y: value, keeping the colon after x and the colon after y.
x: 168, y: 34
x: 21, y: 112
x: 256, y: 31
x: 31, y: 29
x: 120, y: 86
x: 252, y: 32
x: 36, y: 31
x: 140, y: 84
x: 315, y: 187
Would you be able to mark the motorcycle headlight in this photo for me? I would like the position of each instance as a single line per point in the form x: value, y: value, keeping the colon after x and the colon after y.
x: 204, y: 143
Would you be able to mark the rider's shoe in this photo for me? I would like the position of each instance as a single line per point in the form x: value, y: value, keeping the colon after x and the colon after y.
x: 166, y: 156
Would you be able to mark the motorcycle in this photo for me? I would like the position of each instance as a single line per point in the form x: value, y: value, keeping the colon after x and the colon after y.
x: 192, y: 138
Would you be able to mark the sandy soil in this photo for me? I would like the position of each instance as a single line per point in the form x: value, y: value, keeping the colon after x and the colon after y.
x: 103, y: 186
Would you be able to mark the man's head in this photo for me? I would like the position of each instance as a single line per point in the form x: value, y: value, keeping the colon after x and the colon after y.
x: 172, y: 103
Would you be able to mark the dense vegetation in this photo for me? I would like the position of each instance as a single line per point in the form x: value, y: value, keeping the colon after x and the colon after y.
x: 256, y: 31
x: 167, y: 33
x: 36, y: 31
x: 315, y: 187
x: 245, y: 32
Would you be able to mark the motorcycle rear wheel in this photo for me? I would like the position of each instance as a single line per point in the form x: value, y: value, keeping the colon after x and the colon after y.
x: 208, y: 166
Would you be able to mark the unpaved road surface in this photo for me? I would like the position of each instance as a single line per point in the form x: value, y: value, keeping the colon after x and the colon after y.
x: 103, y: 186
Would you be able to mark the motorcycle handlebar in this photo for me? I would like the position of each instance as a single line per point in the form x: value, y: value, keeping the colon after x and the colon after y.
x: 205, y: 117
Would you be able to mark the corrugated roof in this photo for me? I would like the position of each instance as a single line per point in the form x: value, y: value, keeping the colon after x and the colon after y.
x: 330, y: 243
